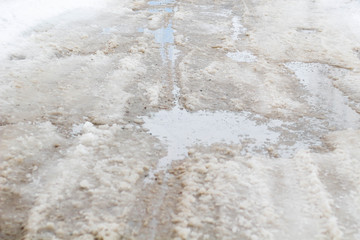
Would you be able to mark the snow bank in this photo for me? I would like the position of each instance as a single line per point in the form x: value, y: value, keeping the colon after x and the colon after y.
x: 18, y: 18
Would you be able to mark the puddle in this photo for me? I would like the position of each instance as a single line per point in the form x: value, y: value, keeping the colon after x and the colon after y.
x: 161, y: 6
x: 169, y: 10
x: 165, y: 37
x: 243, y: 56
x: 179, y: 130
x: 159, y: 3
x: 323, y: 96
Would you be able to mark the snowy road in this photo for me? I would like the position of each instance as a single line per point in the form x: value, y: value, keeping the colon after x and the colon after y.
x: 179, y: 119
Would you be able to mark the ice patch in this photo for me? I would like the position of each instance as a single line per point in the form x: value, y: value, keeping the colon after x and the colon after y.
x: 243, y: 56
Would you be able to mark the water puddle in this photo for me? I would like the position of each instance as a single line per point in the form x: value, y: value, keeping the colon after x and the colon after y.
x: 160, y: 6
x: 159, y: 3
x: 165, y: 9
x: 165, y: 37
x: 180, y: 129
x: 323, y: 96
x: 238, y: 29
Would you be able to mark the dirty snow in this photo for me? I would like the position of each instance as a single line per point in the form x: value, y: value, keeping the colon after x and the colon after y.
x: 179, y: 119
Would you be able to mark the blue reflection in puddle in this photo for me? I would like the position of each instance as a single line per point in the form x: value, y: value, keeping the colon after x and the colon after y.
x: 164, y: 2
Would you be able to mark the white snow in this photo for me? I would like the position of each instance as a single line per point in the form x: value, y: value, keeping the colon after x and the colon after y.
x: 18, y: 18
